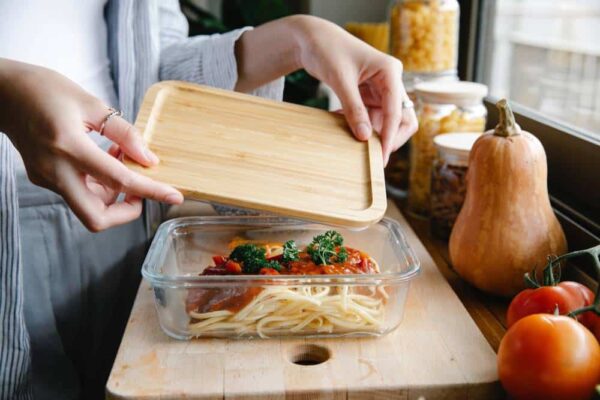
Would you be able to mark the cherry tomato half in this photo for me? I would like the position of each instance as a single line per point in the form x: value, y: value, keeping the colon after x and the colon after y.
x: 545, y: 356
x: 233, y: 267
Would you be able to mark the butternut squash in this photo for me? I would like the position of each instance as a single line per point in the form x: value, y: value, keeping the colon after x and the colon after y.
x: 506, y: 226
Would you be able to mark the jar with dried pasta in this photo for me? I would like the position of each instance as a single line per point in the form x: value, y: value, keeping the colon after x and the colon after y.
x: 442, y: 107
x: 448, y: 180
x: 424, y: 36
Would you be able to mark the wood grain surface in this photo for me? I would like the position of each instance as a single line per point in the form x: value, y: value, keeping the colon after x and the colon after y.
x: 437, y: 353
x: 241, y: 150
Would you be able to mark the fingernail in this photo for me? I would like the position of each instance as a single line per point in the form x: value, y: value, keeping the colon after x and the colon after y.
x: 174, y: 198
x: 363, y: 130
x: 153, y: 158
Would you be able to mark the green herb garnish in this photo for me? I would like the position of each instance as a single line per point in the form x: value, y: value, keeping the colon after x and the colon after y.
x: 272, y: 264
x: 253, y: 258
x: 323, y: 247
x: 342, y: 254
x: 290, y: 251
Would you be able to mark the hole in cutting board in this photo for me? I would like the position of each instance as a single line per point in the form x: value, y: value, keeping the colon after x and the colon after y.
x: 309, y: 354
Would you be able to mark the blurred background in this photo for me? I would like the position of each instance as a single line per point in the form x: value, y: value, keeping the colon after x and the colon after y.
x: 216, y: 16
x: 546, y: 55
x: 542, y: 54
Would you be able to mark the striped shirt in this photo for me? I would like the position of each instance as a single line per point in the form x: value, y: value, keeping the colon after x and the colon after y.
x: 147, y: 42
x: 14, y: 342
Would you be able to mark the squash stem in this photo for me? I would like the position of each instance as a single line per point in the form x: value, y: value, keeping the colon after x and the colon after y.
x: 507, y: 126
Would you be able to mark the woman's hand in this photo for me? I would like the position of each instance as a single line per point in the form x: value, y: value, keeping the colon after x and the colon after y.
x: 368, y: 82
x: 47, y: 118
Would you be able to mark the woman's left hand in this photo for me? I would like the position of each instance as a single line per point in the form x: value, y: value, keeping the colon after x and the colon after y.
x: 367, y: 81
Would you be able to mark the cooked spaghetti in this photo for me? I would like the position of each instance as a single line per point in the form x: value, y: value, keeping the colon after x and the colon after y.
x: 276, y: 310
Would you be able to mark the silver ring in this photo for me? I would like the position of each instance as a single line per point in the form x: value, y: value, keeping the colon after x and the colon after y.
x: 407, y: 104
x: 113, y: 113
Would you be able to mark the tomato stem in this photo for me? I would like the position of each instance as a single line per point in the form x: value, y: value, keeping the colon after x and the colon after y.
x: 551, y: 275
x: 582, y: 310
x: 532, y: 281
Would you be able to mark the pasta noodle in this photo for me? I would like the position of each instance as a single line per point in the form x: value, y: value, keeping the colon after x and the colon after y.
x: 280, y: 310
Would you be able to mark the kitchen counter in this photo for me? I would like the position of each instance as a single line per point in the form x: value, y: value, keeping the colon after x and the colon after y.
x: 437, y: 352
x: 488, y: 312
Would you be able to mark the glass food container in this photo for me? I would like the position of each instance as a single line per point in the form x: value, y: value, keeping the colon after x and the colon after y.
x: 275, y: 305
x: 424, y: 36
x: 442, y: 107
x: 448, y: 180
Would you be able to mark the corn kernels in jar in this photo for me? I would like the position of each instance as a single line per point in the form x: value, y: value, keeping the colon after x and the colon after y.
x: 424, y: 34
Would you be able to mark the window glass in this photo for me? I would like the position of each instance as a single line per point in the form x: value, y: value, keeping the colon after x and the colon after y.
x: 545, y: 55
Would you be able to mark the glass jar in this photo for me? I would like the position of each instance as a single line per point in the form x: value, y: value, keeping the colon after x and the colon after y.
x: 424, y: 36
x: 442, y: 107
x: 375, y: 34
x: 397, y: 169
x: 448, y: 180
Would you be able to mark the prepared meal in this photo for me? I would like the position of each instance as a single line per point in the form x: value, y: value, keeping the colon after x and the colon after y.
x: 272, y: 277
x: 442, y: 107
x: 424, y: 35
x: 266, y: 310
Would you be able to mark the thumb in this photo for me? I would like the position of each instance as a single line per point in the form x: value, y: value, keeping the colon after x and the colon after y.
x: 355, y: 111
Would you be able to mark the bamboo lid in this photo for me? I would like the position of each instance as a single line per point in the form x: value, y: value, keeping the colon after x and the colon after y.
x: 248, y: 152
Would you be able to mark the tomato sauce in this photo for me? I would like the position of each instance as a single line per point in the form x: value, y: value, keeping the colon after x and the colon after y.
x: 217, y: 299
x: 356, y: 263
x: 234, y: 299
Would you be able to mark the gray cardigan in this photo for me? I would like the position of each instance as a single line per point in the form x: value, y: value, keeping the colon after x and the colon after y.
x: 147, y: 42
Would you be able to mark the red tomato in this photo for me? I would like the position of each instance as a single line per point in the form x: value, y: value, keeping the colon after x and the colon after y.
x: 547, y: 357
x: 577, y: 289
x: 595, y: 328
x: 219, y: 260
x: 268, y: 271
x: 233, y: 267
x: 567, y: 296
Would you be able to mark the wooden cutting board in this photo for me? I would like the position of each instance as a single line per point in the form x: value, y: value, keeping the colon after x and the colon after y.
x: 437, y: 353
x: 249, y: 152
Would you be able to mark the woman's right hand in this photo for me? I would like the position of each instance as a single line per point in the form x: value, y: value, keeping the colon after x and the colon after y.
x: 47, y: 117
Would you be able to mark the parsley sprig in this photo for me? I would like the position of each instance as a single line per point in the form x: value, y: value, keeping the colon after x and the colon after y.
x: 327, y: 248
x: 290, y: 251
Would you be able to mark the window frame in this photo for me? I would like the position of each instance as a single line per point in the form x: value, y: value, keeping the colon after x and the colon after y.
x: 573, y: 156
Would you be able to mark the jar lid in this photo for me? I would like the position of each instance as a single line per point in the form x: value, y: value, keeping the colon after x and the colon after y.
x: 460, y: 93
x: 457, y: 144
x: 411, y: 79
